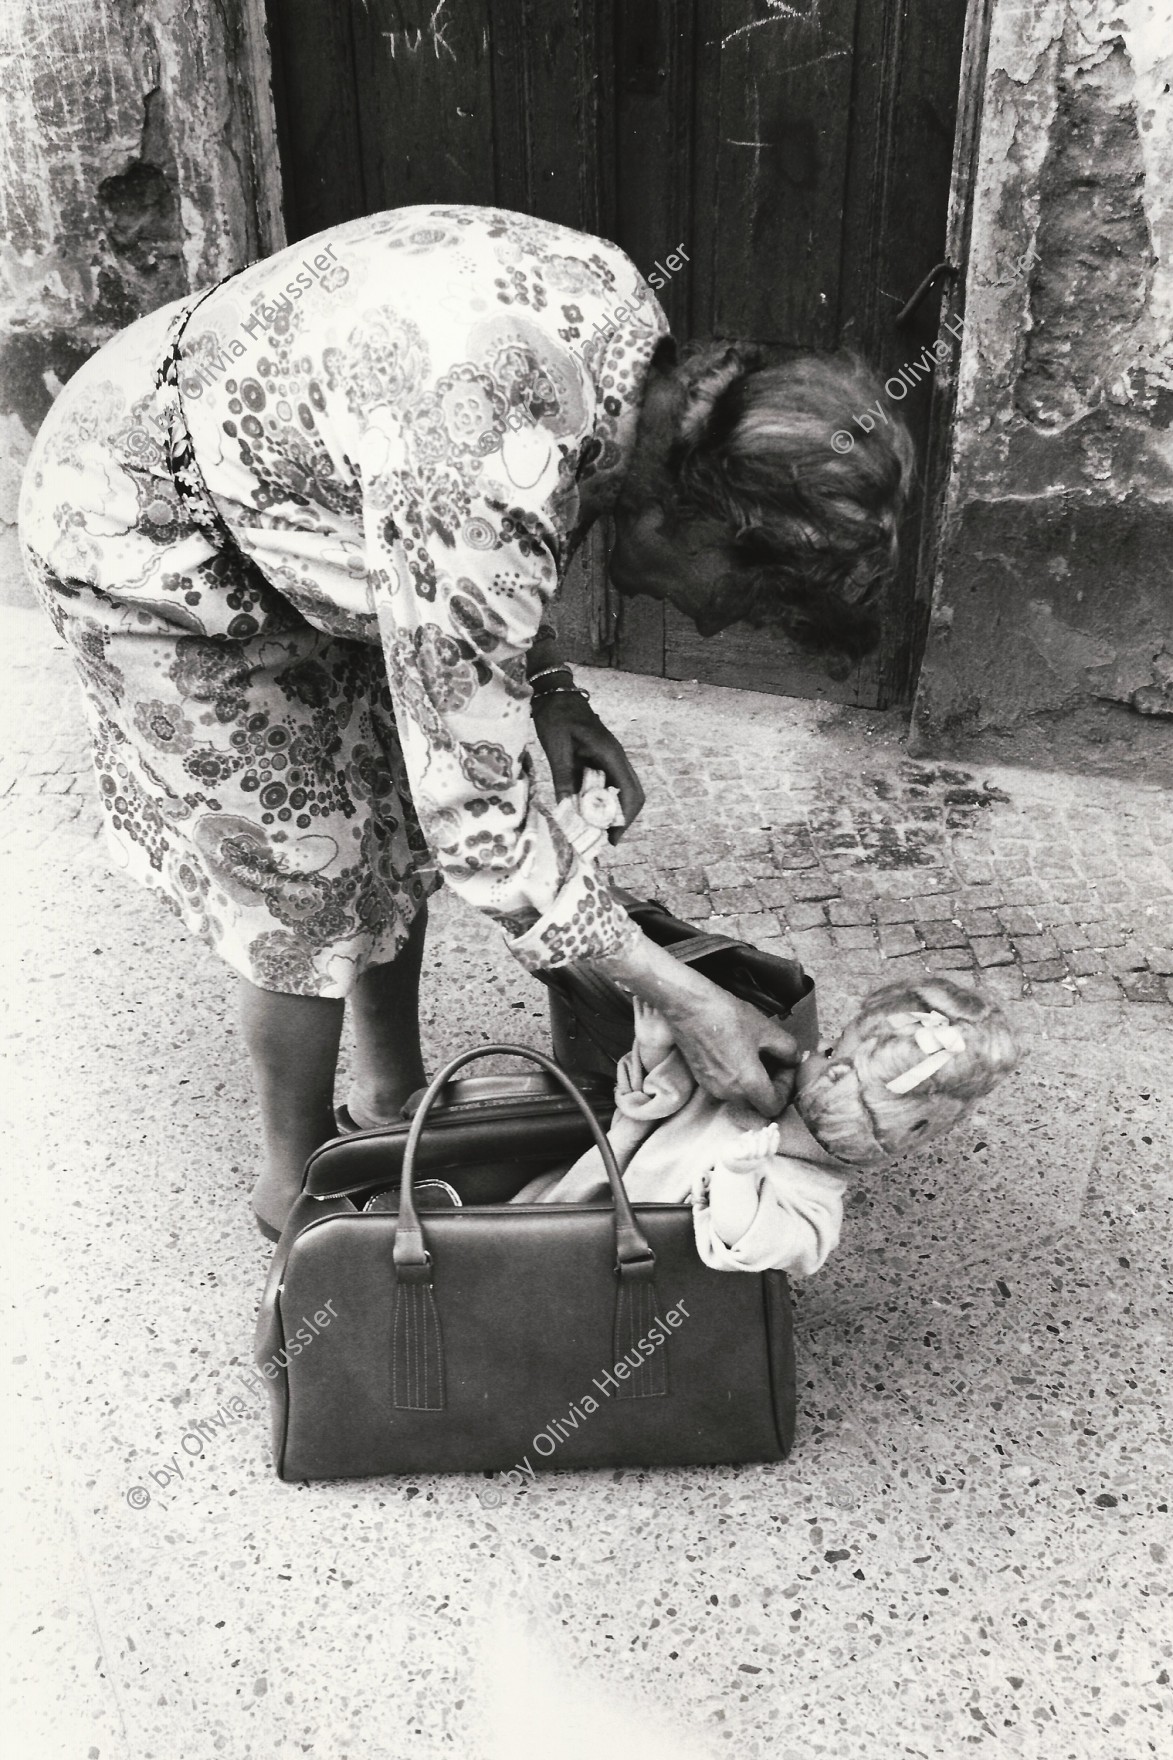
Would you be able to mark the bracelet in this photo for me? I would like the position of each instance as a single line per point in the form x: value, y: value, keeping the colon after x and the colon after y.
x: 548, y: 672
x: 563, y: 690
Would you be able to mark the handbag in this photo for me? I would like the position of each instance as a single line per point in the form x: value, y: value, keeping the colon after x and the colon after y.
x: 592, y: 1023
x: 492, y: 1336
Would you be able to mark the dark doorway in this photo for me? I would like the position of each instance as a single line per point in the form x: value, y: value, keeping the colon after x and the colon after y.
x: 799, y: 151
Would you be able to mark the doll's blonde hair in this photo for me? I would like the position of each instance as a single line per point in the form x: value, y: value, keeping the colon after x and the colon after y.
x: 851, y: 1108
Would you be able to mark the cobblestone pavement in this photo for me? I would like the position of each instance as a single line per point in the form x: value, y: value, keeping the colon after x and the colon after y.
x: 809, y: 830
x: 801, y: 827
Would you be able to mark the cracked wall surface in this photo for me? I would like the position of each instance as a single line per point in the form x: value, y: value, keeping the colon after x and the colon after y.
x: 126, y: 178
x: 1052, y: 629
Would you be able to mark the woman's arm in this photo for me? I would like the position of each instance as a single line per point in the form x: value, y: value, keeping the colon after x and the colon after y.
x: 723, y: 1040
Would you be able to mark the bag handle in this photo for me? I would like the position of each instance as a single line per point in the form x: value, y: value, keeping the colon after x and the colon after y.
x: 413, y: 1263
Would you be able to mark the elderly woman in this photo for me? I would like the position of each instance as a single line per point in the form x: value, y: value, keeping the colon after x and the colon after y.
x: 301, y: 534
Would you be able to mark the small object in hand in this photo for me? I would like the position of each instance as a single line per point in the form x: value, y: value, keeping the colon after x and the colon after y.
x: 597, y: 803
x: 585, y: 818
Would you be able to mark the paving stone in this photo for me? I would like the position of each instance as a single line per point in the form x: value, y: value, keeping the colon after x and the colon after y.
x: 726, y: 874
x: 723, y: 926
x: 936, y: 907
x: 992, y: 950
x: 774, y: 892
x: 854, y: 936
x: 814, y: 947
x: 979, y: 897
x: 1002, y: 983
x: 814, y: 886
x: 980, y: 922
x: 1126, y: 958
x: 1145, y: 987
x: 1044, y: 971
x: 780, y: 946
x: 1161, y: 960
x: 1035, y: 947
x: 847, y: 913
x: 948, y: 959
x: 693, y: 907
x: 1086, y: 962
x: 755, y: 925
x: 909, y: 967
x: 1103, y: 934
x: 1017, y: 921
x: 897, y: 939
x: 943, y: 933
x: 733, y: 900
x: 1096, y: 989
x: 975, y: 873
x: 895, y: 910
x: 805, y: 916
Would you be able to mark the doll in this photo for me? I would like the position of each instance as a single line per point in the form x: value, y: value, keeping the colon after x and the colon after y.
x: 768, y: 1195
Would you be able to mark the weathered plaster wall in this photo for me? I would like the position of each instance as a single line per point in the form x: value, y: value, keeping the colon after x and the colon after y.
x: 128, y: 174
x: 1052, y: 629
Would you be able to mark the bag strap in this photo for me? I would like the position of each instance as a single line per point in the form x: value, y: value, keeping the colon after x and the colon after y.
x: 634, y: 1258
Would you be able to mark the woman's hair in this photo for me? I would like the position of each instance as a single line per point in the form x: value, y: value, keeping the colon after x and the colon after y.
x: 810, y: 529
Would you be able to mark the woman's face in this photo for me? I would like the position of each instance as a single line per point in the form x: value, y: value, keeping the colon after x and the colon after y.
x: 687, y: 570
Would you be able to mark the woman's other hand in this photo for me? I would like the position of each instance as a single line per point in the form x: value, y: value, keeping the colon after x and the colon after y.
x: 575, y: 740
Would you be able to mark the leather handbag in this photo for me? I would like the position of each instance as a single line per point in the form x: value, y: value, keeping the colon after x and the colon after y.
x: 493, y: 1336
x: 591, y: 1019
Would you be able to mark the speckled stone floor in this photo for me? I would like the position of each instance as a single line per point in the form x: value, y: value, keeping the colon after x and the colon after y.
x: 968, y: 1548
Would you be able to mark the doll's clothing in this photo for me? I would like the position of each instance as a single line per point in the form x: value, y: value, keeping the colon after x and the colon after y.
x: 672, y: 1142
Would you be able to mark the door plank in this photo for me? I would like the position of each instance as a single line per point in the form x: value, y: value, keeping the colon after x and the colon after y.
x: 317, y: 121
x: 895, y: 220
x: 778, y: 137
x: 423, y: 93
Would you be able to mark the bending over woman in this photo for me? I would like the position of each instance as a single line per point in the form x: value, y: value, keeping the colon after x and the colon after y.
x: 301, y: 534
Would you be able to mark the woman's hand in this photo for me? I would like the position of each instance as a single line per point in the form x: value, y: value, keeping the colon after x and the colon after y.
x: 574, y: 740
x: 735, y: 1052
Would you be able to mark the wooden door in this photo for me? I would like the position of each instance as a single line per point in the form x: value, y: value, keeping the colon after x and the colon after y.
x: 796, y: 153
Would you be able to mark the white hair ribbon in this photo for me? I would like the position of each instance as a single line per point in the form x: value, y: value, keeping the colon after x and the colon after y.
x: 936, y: 1036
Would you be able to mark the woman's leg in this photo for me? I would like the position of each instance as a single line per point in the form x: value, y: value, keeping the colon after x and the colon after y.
x: 385, y: 1011
x: 293, y: 1044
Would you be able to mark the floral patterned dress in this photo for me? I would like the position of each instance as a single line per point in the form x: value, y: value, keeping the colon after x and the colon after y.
x: 299, y: 534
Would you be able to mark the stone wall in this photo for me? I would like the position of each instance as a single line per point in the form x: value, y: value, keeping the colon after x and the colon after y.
x: 134, y: 171
x: 1052, y: 628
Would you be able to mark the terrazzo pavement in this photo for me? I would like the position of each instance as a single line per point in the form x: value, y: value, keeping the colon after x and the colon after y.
x: 968, y: 1549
